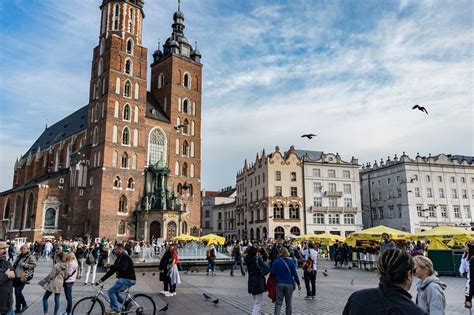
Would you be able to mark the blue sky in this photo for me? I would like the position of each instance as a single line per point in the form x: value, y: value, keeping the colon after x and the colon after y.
x: 348, y: 71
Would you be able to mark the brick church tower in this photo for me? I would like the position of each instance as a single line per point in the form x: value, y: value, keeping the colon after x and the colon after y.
x: 128, y: 164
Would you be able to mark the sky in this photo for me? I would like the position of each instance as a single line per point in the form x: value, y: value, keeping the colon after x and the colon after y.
x: 348, y: 71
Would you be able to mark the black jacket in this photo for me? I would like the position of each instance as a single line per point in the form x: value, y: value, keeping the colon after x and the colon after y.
x: 256, y: 282
x: 382, y: 300
x: 123, y: 265
x: 6, y: 287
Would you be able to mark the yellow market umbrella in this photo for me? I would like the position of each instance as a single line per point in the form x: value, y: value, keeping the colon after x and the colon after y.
x: 445, y: 232
x: 213, y: 239
x: 436, y: 243
x: 184, y: 237
x: 375, y: 234
x: 328, y: 237
x: 307, y: 237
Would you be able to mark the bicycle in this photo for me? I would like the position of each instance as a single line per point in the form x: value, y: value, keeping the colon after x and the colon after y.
x: 140, y: 304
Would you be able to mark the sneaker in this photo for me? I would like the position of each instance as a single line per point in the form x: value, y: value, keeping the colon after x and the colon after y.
x: 85, y: 283
x: 313, y: 297
x: 174, y: 294
x: 168, y: 294
x: 307, y: 297
x: 163, y: 292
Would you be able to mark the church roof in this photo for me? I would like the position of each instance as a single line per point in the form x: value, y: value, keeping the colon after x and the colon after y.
x: 313, y: 155
x: 36, y: 181
x: 63, y: 129
x: 154, y: 109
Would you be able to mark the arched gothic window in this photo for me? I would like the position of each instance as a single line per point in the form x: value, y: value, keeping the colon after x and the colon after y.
x: 156, y: 146
x: 161, y: 80
x: 121, y: 228
x: 185, y: 128
x: 129, y: 46
x: 100, y: 67
x: 131, y: 183
x: 114, y: 158
x: 126, y: 112
x: 95, y: 136
x: 185, y: 148
x: 126, y: 136
x: 127, y: 90
x: 117, y: 182
x: 125, y: 160
x: 122, y: 204
x: 128, y: 66
x: 185, y: 169
x: 17, y: 217
x: 186, y: 106
x: 29, y: 211
x: 187, y: 80
x: 295, y: 231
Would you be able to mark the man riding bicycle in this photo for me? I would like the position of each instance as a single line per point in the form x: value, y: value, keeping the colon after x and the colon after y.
x: 125, y: 270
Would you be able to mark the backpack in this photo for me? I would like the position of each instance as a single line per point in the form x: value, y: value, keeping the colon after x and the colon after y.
x: 262, y: 266
x: 90, y: 259
x: 308, y: 263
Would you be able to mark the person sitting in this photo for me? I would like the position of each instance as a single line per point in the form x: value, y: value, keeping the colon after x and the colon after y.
x: 126, y: 278
x: 395, y: 268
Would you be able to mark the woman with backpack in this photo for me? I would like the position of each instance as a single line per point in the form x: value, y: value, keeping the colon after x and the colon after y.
x: 257, y: 270
x: 53, y: 283
x: 72, y: 269
x: 24, y: 267
x: 310, y: 255
x: 91, y: 255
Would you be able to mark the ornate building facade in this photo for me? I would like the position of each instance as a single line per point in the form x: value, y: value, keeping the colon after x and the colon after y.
x: 128, y: 164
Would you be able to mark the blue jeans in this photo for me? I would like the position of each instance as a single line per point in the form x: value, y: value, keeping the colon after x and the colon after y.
x: 210, y: 265
x: 10, y: 312
x: 46, y: 296
x: 120, y: 285
x: 285, y: 291
x: 68, y: 293
x: 19, y: 297
x: 234, y: 264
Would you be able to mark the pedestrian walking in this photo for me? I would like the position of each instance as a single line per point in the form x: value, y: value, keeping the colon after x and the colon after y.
x: 237, y: 259
x: 430, y: 290
x: 174, y: 272
x: 284, y: 270
x: 24, y: 267
x: 211, y: 260
x: 72, y: 268
x: 469, y: 288
x: 80, y: 257
x: 91, y: 256
x: 310, y: 255
x: 53, y: 284
x: 164, y: 267
x: 48, y: 247
x: 395, y: 268
x: 257, y: 270
x: 7, y: 274
x: 11, y: 252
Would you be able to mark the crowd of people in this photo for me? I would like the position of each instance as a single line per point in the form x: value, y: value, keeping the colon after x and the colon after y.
x: 272, y: 267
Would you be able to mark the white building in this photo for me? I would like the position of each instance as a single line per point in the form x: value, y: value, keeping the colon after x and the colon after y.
x: 269, y: 197
x: 218, y: 212
x: 419, y: 194
x: 331, y: 192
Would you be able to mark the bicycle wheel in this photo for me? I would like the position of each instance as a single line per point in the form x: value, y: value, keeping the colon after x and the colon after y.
x: 146, y: 305
x: 89, y: 306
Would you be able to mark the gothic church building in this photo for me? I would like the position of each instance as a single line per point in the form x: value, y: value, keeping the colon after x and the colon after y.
x: 128, y: 164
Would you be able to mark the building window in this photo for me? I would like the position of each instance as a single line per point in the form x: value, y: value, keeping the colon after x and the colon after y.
x: 388, y: 180
x: 417, y: 191
x: 381, y: 215
x: 184, y: 169
x: 156, y: 147
x: 333, y: 218
x: 187, y: 80
x: 332, y: 173
x: 278, y: 191
x: 278, y: 175
x: 131, y: 183
x: 391, y: 212
x: 95, y: 136
x: 126, y: 112
x: 130, y: 21
x: 440, y: 179
x: 346, y: 174
x: 125, y: 160
x: 467, y: 212
x: 161, y: 80
x: 207, y: 214
x: 278, y: 211
x: 318, y: 218
x: 121, y: 228
x: 347, y: 188
x: 126, y: 136
x: 316, y: 172
x: 332, y: 187
x: 293, y: 176
x: 117, y: 182
x: 49, y: 218
x: 454, y: 193
x: 128, y: 66
x: 317, y: 187
x: 186, y: 106
x: 428, y: 178
x: 419, y: 211
x: 349, y: 218
x: 129, y: 46
x: 444, y: 212
x: 333, y: 202
x: 294, y: 212
x: 453, y: 179
x: 348, y: 202
x: 318, y: 201
x: 295, y: 231
x: 294, y: 192
x: 463, y: 180
x: 399, y: 192
x: 399, y: 211
x: 429, y: 193
x: 457, y: 212
x: 441, y: 193
x: 185, y: 148
x: 464, y: 194
x: 127, y: 90
x: 374, y: 214
x: 122, y: 204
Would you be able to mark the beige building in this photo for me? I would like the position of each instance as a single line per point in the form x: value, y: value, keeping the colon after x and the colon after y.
x: 269, y: 201
x: 332, y: 193
x: 218, y: 212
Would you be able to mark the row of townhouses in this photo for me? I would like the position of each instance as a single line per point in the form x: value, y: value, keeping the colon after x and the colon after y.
x: 286, y: 194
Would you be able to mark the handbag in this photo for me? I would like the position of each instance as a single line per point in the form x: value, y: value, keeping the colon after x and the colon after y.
x: 27, y: 273
x: 262, y: 267
x: 271, y: 287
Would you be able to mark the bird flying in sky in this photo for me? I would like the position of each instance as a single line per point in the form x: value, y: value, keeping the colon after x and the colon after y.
x: 309, y: 135
x: 420, y: 108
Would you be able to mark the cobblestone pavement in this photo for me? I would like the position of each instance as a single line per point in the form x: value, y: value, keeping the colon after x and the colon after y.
x: 331, y: 296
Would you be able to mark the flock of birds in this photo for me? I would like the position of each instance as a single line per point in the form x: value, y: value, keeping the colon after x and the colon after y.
x: 416, y: 106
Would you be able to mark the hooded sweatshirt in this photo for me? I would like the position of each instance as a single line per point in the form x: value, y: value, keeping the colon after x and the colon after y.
x: 430, y: 296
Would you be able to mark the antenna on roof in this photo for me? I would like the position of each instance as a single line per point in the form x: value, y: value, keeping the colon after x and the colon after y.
x: 179, y: 4
x: 195, y: 44
x: 46, y: 125
x: 159, y: 43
